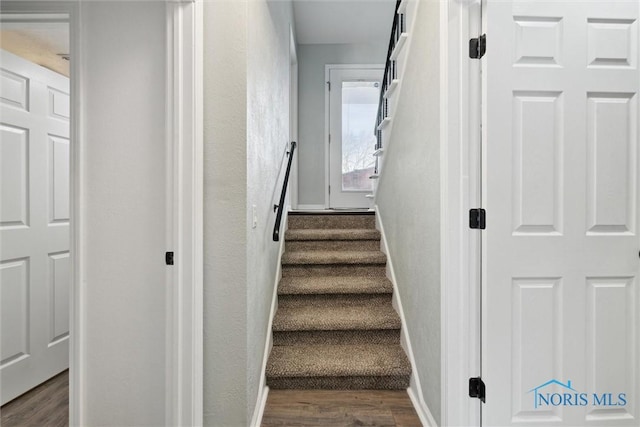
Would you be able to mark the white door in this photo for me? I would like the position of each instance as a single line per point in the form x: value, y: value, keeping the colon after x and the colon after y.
x: 353, y: 103
x: 34, y: 225
x: 561, y: 314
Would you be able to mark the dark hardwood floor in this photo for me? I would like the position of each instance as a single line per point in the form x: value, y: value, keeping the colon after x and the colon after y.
x: 45, y: 405
x: 339, y: 408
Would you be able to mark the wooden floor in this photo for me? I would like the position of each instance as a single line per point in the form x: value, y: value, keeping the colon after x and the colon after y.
x: 45, y: 405
x: 339, y: 408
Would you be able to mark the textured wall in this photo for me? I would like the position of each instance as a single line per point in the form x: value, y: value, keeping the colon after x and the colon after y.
x: 246, y: 133
x: 267, y: 138
x: 123, y: 218
x: 408, y: 198
x: 312, y: 86
x: 225, y: 206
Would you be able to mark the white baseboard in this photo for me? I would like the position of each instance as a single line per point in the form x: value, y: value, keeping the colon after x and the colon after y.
x: 414, y: 390
x: 310, y: 207
x: 426, y: 418
x: 263, y: 390
x: 261, y: 403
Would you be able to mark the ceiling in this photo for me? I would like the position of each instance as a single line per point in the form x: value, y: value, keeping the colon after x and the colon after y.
x: 343, y: 21
x: 42, y: 42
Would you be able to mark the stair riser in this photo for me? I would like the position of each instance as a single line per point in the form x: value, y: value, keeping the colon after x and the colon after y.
x: 341, y: 300
x: 400, y: 382
x: 331, y: 221
x: 332, y: 245
x: 384, y: 336
x: 333, y: 270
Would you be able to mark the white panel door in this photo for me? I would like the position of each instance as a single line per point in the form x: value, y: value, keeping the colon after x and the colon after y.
x: 34, y: 225
x: 561, y: 304
x: 353, y: 105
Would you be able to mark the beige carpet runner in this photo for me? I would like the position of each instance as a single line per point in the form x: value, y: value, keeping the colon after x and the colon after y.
x: 335, y: 327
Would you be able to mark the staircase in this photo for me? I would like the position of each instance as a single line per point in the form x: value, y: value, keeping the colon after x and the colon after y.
x: 335, y: 327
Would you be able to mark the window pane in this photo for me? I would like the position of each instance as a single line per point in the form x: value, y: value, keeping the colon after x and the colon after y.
x: 359, y: 108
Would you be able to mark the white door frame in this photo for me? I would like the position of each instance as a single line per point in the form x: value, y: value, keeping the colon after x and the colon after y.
x: 185, y: 182
x: 327, y: 100
x: 184, y: 208
x: 293, y: 114
x: 460, y: 190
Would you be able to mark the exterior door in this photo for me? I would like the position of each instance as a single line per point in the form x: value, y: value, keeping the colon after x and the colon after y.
x: 561, y: 314
x: 34, y: 225
x: 353, y: 103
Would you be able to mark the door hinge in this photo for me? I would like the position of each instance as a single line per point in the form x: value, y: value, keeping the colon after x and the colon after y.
x: 329, y: 138
x: 329, y: 189
x: 329, y: 86
x: 477, y: 388
x: 478, y: 47
x: 168, y: 258
x: 477, y: 219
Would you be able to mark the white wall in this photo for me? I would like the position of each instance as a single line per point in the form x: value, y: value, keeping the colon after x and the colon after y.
x: 225, y: 223
x: 408, y: 198
x: 123, y: 213
x: 246, y: 131
x: 312, y: 86
x: 267, y: 139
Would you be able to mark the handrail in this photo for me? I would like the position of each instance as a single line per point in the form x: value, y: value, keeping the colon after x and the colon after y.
x: 283, y: 194
x: 398, y: 20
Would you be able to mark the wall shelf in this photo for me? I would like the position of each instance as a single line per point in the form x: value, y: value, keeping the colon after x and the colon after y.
x: 403, y: 6
x: 391, y: 88
x: 383, y: 124
x: 399, y: 45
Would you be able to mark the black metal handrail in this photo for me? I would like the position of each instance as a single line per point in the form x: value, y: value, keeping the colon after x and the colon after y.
x: 279, y: 207
x: 390, y: 71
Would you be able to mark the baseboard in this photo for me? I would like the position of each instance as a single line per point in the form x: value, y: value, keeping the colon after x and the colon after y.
x: 414, y: 390
x: 261, y: 403
x: 263, y: 390
x: 426, y: 418
x: 310, y: 207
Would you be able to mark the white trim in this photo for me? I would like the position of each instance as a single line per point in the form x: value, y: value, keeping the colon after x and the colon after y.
x: 293, y: 114
x: 458, y: 349
x: 415, y: 389
x: 425, y: 415
x: 184, y: 387
x: 263, y: 390
x: 261, y: 403
x: 311, y: 207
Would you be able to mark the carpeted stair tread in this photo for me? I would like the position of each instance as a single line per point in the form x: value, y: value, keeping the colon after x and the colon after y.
x: 333, y: 258
x: 331, y: 317
x: 334, y: 285
x: 332, y: 234
x: 337, y: 361
x: 371, y: 382
x: 331, y: 221
x: 373, y: 336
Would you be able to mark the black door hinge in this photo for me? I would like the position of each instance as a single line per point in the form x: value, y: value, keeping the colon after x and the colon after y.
x: 477, y: 388
x: 478, y: 219
x: 478, y: 47
x: 168, y: 258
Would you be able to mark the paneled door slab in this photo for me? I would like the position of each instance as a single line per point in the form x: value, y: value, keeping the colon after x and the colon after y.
x: 561, y: 304
x: 34, y: 225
